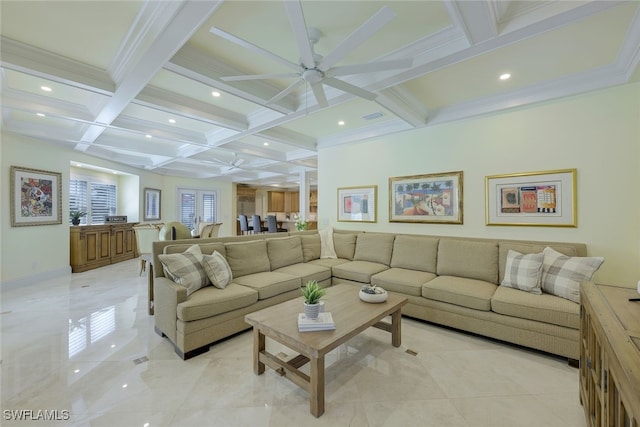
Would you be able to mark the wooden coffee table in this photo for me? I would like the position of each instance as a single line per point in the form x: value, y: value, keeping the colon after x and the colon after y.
x: 351, y: 316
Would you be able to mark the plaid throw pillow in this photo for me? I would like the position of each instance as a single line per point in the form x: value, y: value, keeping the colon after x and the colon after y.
x: 217, y: 269
x: 523, y: 272
x: 562, y: 275
x: 185, y: 269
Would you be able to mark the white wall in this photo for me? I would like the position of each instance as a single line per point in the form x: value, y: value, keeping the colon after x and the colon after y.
x: 30, y: 253
x: 596, y: 133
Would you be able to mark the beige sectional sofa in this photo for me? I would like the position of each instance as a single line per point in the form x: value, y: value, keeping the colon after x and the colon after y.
x: 450, y: 281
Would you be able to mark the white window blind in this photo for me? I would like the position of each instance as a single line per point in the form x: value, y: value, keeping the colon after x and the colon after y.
x: 97, y: 199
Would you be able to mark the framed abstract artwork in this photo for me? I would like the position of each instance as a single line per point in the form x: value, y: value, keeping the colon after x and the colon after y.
x: 152, y: 204
x: 431, y: 198
x: 36, y: 197
x: 546, y: 198
x: 357, y: 203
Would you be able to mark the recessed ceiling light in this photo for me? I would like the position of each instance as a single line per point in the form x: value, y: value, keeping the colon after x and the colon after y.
x: 46, y: 88
x: 172, y: 120
x: 148, y: 136
x: 215, y: 93
x: 40, y: 115
x: 266, y: 144
x: 341, y: 123
x: 505, y: 76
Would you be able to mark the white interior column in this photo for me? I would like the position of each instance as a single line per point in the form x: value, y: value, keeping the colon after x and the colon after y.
x: 304, y: 194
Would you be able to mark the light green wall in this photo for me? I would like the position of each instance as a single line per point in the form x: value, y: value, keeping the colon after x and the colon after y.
x: 597, y: 133
x: 30, y: 253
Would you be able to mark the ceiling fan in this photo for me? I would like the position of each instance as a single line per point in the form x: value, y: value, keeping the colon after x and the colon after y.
x: 315, y: 69
x: 233, y: 164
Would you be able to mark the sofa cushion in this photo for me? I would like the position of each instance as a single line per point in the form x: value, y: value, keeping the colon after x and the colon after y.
x: 374, y: 247
x: 185, y: 268
x: 310, y: 247
x: 247, y: 257
x: 217, y: 269
x: 404, y: 281
x: 284, y: 251
x: 415, y: 253
x: 211, y: 301
x: 327, y: 249
x: 527, y: 248
x: 270, y: 283
x: 562, y: 275
x: 358, y: 271
x: 307, y: 271
x: 523, y: 272
x: 541, y: 308
x: 468, y: 258
x: 329, y: 262
x: 345, y: 245
x: 471, y: 293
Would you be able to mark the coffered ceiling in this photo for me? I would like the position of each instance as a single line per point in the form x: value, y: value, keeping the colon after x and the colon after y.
x: 133, y: 81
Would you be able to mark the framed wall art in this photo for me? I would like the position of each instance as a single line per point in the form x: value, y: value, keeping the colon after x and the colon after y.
x: 430, y: 198
x: 152, y: 204
x: 357, y: 203
x: 36, y: 197
x: 546, y: 198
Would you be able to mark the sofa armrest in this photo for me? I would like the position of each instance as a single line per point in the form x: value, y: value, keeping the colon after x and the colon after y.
x: 167, y: 296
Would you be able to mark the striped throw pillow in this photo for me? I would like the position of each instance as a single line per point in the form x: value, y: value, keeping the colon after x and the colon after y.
x: 523, y: 272
x: 562, y: 275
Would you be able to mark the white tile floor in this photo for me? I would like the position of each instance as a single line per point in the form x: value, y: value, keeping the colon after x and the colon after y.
x: 84, y: 345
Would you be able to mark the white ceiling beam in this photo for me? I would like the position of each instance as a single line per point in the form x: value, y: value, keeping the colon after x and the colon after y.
x: 475, y: 18
x: 403, y: 105
x: 184, y: 24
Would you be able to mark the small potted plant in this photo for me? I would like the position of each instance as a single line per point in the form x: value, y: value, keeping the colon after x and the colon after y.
x: 75, y: 216
x: 312, y: 293
x: 301, y: 224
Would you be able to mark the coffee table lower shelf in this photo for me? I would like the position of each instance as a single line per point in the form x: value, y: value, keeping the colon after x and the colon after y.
x: 351, y: 316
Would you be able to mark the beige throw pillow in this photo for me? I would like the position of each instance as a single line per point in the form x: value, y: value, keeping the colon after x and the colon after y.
x: 217, y: 269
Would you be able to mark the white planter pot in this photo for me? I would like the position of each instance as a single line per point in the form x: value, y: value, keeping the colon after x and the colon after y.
x: 311, y: 310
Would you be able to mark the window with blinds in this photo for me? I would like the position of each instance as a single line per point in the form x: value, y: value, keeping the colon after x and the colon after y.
x: 97, y: 199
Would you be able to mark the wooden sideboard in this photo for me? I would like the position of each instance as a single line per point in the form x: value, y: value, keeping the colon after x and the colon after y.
x: 610, y: 356
x: 94, y: 246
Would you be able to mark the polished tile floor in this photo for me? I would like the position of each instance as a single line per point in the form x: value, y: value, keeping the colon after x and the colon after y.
x: 82, y: 349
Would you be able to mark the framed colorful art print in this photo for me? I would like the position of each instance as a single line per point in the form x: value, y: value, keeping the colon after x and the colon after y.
x: 357, y: 203
x: 36, y: 197
x: 546, y: 198
x: 431, y: 198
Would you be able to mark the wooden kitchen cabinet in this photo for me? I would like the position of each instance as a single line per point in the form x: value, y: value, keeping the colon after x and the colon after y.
x: 609, y: 356
x: 292, y: 201
x: 275, y: 201
x: 94, y: 246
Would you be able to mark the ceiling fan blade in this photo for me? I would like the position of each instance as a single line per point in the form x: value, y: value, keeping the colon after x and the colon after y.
x: 299, y: 26
x: 248, y: 45
x: 259, y: 77
x: 349, y: 88
x: 371, y: 67
x: 293, y: 86
x: 359, y: 36
x: 318, y: 91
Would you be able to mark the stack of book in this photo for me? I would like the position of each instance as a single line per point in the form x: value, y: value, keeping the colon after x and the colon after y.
x: 324, y: 322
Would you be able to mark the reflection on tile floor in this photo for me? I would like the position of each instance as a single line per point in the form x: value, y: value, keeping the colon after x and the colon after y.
x: 82, y: 349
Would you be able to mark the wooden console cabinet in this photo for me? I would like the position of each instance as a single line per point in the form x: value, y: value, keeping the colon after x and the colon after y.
x: 94, y: 246
x: 610, y: 356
